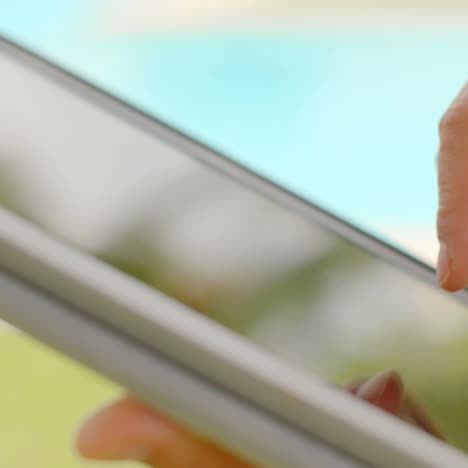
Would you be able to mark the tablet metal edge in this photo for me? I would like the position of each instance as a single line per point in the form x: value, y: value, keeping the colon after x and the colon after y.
x: 236, y: 424
x: 168, y: 327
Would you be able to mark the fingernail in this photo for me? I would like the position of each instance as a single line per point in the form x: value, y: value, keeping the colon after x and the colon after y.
x: 444, y: 269
x: 384, y: 390
x: 374, y: 387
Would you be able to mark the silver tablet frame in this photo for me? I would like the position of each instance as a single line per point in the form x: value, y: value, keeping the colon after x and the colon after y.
x: 146, y: 373
x: 60, y: 296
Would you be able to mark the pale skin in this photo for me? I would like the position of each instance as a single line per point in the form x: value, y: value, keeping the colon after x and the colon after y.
x: 129, y: 430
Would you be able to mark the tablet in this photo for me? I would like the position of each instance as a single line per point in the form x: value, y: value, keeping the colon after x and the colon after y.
x: 211, y: 293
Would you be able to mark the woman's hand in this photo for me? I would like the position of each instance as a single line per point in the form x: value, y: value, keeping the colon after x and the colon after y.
x: 130, y: 430
x: 452, y: 222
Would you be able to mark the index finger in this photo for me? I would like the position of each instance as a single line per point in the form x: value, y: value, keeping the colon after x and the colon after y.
x: 452, y: 218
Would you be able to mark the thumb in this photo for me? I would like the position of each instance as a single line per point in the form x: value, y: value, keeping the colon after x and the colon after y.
x: 130, y: 430
x: 452, y: 220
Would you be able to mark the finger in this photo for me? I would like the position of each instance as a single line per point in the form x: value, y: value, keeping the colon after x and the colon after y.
x: 413, y: 412
x: 129, y: 430
x: 452, y: 219
x: 385, y: 390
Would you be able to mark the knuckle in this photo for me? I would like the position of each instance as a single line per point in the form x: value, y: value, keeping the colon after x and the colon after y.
x: 457, y: 114
x: 453, y: 120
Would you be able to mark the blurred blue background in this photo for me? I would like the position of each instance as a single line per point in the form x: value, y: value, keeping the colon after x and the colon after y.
x: 346, y: 118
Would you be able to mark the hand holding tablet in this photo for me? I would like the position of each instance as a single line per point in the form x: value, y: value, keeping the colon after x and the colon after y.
x: 130, y: 430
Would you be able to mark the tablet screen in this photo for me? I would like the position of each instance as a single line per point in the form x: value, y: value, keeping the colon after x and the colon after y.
x: 289, y: 285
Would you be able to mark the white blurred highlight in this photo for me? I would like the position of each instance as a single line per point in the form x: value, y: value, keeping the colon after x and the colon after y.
x: 131, y: 16
x: 419, y: 241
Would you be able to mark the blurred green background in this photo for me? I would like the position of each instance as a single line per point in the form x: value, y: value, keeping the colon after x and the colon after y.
x: 43, y: 398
